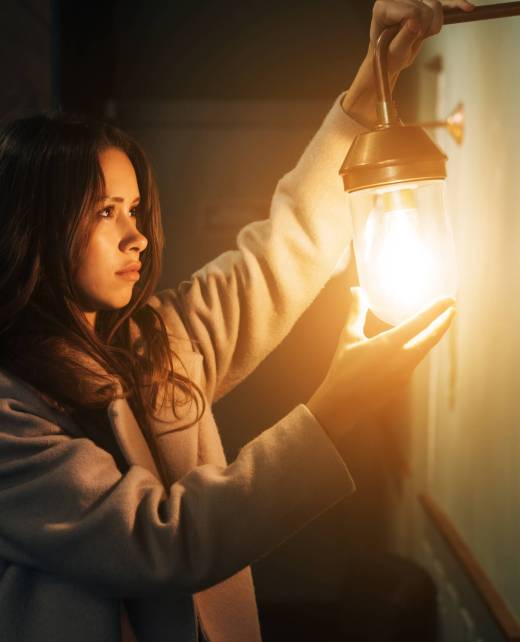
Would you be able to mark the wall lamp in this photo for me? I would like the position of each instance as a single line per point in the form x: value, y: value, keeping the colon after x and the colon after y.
x: 453, y: 123
x: 395, y: 175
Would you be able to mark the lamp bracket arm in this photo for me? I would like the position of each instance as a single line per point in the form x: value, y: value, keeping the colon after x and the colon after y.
x: 386, y: 110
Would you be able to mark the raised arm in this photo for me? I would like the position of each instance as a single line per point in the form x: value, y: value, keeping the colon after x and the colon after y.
x: 241, y: 305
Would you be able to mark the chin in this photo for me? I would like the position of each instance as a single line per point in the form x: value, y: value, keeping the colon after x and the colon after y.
x: 123, y: 304
x: 116, y: 305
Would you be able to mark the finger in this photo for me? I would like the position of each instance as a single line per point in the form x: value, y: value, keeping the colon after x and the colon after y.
x: 410, y: 328
x: 437, y: 16
x: 458, y: 4
x: 355, y: 326
x: 421, y: 344
x: 406, y: 39
x: 425, y: 16
x: 415, y: 16
x: 389, y: 14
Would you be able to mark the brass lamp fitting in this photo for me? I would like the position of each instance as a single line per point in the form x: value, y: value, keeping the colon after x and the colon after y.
x: 392, y: 152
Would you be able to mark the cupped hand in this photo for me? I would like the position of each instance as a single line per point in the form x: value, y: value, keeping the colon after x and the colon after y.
x: 364, y: 373
x: 419, y: 19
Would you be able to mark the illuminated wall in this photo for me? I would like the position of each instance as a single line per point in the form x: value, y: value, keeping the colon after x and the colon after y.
x: 467, y: 431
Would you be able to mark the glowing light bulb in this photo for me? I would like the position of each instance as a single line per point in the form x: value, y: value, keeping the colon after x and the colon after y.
x: 404, y: 247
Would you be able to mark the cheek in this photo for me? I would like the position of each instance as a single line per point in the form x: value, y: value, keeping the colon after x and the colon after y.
x: 96, y: 262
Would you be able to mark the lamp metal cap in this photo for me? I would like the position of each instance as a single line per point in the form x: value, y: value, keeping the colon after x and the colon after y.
x: 392, y: 155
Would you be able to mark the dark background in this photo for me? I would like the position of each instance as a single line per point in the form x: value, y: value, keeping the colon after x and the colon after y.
x: 225, y: 50
x: 224, y: 95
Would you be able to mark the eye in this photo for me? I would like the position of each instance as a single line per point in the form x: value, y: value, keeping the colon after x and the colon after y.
x: 134, y: 211
x: 108, y: 211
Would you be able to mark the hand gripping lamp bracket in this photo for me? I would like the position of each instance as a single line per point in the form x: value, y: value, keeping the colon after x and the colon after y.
x: 393, y: 152
x: 395, y: 177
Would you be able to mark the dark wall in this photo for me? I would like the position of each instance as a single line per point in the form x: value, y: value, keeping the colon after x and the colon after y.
x: 26, y: 51
x: 194, y: 49
x: 235, y: 50
x: 113, y: 51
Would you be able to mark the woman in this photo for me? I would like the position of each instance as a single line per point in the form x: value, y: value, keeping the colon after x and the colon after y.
x: 120, y: 517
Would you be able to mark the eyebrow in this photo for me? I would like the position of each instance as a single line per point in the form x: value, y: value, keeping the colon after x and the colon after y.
x: 118, y: 199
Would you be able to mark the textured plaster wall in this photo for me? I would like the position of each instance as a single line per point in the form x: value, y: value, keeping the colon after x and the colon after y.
x: 468, y: 452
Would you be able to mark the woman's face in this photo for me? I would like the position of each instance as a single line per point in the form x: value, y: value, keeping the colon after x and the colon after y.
x: 115, y: 242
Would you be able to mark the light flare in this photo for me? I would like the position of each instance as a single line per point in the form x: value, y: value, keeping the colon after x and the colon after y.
x: 403, y: 250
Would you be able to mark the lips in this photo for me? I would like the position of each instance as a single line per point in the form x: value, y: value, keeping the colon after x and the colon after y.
x: 130, y: 267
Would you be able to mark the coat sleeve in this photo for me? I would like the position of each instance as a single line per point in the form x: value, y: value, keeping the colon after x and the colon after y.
x: 241, y: 305
x: 66, y: 509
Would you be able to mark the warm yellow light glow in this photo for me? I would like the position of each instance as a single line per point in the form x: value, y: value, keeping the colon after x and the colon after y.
x: 402, y: 267
x: 404, y: 250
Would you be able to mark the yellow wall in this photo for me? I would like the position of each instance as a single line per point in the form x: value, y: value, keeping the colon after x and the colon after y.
x: 471, y: 455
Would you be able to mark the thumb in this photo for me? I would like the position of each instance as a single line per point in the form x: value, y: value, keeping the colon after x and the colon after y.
x: 355, y: 326
x: 404, y: 42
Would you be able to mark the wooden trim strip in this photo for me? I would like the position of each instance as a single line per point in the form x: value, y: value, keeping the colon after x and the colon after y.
x: 499, y: 610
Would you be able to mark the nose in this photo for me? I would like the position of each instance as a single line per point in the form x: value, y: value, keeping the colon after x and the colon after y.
x: 133, y: 239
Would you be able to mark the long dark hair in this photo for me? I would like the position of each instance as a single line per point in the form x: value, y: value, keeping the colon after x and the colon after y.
x: 50, y: 177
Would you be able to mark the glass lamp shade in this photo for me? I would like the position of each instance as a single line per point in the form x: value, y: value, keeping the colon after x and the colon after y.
x: 404, y: 247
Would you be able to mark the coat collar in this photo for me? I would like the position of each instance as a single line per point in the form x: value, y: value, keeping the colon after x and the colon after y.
x: 129, y: 436
x: 175, y: 436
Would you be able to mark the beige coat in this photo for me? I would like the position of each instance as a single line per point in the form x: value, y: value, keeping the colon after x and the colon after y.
x: 84, y: 547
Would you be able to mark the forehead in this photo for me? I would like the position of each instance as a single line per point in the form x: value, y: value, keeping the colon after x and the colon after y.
x: 118, y: 173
